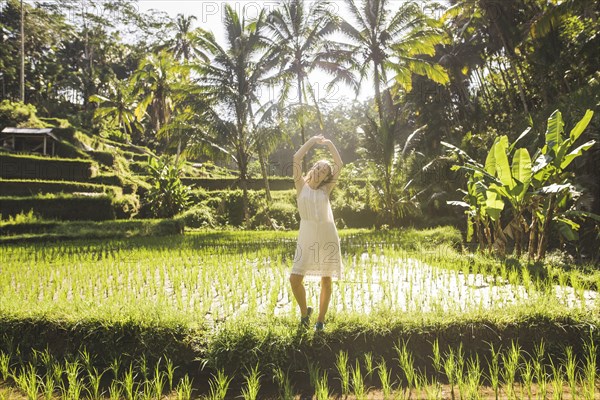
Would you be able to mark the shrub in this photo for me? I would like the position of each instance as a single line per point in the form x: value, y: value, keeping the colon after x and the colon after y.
x: 18, y: 114
x: 63, y: 207
x: 199, y: 216
x: 28, y: 187
x: 126, y: 206
x: 285, y: 215
x: 139, y: 167
x: 129, y: 187
x: 167, y: 196
x: 22, y: 217
x: 46, y: 168
x: 103, y: 157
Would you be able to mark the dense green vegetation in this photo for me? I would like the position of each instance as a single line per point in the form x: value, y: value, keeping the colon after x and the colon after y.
x: 539, y: 186
x: 150, y: 257
x: 462, y: 73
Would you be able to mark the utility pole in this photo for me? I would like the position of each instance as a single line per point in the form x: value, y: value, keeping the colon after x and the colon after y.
x: 22, y: 54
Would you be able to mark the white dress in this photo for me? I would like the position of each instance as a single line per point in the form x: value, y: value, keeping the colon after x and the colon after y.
x: 318, y: 250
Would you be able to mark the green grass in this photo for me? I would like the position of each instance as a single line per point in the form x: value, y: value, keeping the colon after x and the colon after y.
x: 79, y: 233
x: 221, y: 300
x: 213, y: 276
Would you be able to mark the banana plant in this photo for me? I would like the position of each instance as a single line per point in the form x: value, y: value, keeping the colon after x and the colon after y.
x: 541, y: 189
x: 553, y: 189
x: 513, y: 184
x: 480, y: 209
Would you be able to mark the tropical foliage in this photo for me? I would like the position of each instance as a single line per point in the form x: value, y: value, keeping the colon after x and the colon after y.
x: 167, y: 196
x: 536, y: 192
x: 467, y: 73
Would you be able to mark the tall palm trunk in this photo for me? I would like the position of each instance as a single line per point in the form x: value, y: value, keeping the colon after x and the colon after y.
x: 378, y: 100
x: 512, y: 61
x: 533, y: 233
x: 263, y: 169
x: 243, y: 167
x: 387, y: 184
x: 302, y: 129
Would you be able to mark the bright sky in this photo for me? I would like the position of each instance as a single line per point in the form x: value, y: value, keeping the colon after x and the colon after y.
x: 210, y: 13
x: 209, y: 16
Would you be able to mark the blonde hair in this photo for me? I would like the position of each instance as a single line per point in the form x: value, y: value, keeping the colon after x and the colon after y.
x: 311, y: 171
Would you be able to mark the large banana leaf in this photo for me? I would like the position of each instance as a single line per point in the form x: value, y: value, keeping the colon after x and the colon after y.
x: 458, y: 203
x: 502, y: 166
x: 567, y: 228
x: 554, y: 188
x: 541, y: 162
x: 459, y: 151
x: 521, y: 166
x: 581, y: 125
x: 576, y: 153
x: 521, y: 136
x: 554, y: 131
x: 494, y: 205
x: 521, y: 170
x: 583, y: 214
x: 490, y: 160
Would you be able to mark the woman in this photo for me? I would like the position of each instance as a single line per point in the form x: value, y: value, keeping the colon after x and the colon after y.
x: 318, y: 250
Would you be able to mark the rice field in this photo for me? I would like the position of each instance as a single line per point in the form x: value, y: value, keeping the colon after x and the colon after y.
x: 202, y: 283
x: 509, y: 374
x: 210, y: 280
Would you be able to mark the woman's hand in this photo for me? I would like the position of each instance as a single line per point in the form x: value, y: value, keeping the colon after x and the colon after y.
x: 318, y: 138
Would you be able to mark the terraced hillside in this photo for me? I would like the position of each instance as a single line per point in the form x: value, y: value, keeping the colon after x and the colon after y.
x: 90, y: 178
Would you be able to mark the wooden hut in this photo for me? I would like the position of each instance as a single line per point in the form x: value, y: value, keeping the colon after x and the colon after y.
x: 36, y: 140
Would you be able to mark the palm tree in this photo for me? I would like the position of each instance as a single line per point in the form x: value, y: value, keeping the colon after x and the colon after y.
x: 300, y: 33
x: 391, y: 43
x: 191, y: 117
x: 231, y: 81
x: 118, y: 109
x: 156, y: 80
x: 185, y: 46
x: 385, y: 42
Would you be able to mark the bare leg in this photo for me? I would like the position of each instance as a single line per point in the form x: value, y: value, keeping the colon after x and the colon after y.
x: 299, y: 292
x: 324, y: 297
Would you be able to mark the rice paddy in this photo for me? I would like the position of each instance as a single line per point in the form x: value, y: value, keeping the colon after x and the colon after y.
x: 210, y: 280
x: 207, y: 284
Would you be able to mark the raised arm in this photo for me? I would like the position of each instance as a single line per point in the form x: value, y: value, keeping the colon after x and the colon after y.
x: 298, y: 156
x: 337, y: 164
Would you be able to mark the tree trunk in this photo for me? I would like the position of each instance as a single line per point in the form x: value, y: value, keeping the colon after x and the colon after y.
x: 244, y: 183
x: 265, y: 175
x: 480, y: 238
x: 543, y: 239
x: 178, y: 150
x: 518, y: 237
x: 378, y: 101
x: 499, y: 239
x: 245, y: 202
x: 302, y: 129
x: 512, y: 60
x: 488, y: 236
x: 243, y: 168
x: 533, y: 233
x: 22, y: 51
